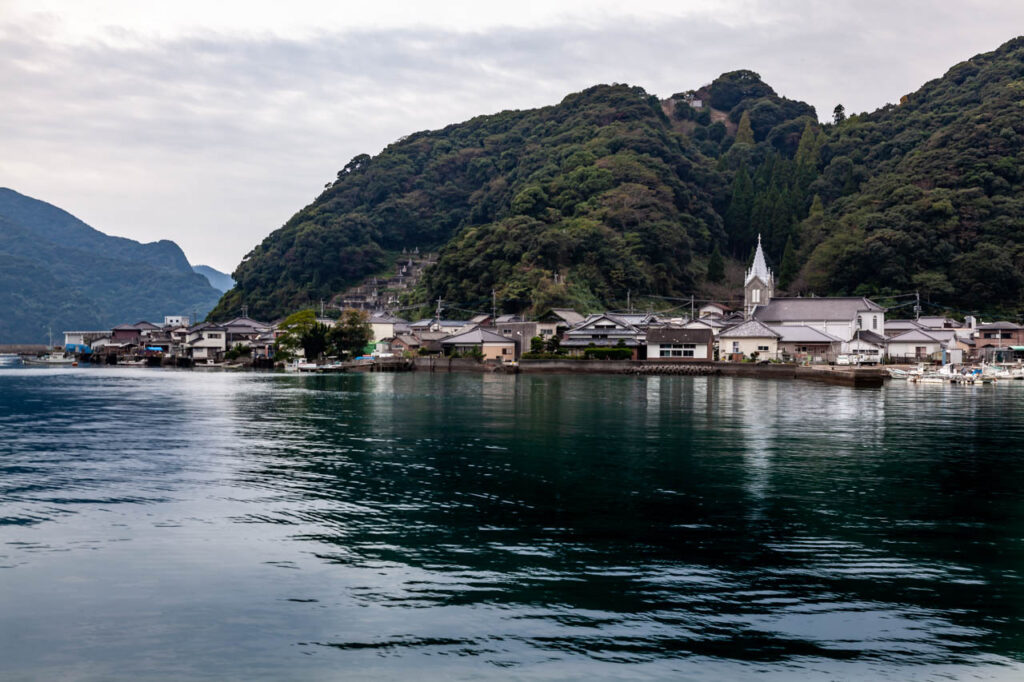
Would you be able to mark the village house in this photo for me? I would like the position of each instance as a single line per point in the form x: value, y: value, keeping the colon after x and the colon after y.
x: 709, y: 309
x: 807, y: 344
x: 207, y: 342
x: 557, y: 321
x: 841, y: 317
x: 916, y: 345
x: 750, y: 339
x: 678, y: 344
x: 385, y: 325
x: 491, y: 346
x: 604, y: 330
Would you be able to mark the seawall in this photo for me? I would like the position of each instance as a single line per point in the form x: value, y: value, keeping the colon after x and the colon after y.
x: 858, y: 377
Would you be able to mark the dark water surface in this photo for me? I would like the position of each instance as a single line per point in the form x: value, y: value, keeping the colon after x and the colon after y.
x: 185, y: 525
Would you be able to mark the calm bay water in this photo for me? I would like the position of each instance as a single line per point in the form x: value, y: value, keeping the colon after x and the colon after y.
x: 186, y: 525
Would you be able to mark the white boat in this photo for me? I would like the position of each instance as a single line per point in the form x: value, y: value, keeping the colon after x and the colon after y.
x: 51, y: 360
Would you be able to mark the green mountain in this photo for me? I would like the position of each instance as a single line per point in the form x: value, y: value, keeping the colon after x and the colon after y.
x: 929, y: 194
x: 58, y: 273
x: 218, y: 280
x: 613, y: 193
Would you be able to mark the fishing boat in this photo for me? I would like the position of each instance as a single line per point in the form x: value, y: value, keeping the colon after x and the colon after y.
x: 51, y: 360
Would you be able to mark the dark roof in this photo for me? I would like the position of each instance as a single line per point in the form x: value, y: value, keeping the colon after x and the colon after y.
x: 813, y: 309
x: 567, y: 315
x: 872, y: 337
x: 1002, y: 324
x: 678, y: 335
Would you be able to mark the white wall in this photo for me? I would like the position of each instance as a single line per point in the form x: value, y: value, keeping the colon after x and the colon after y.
x: 747, y: 346
x: 700, y: 352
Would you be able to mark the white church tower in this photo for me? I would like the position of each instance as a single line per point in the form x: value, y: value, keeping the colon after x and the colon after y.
x: 759, y: 284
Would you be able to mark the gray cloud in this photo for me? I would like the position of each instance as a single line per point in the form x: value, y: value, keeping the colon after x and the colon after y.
x: 214, y: 140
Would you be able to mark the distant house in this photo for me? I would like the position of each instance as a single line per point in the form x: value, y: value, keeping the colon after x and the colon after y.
x: 999, y: 334
x: 207, y: 342
x: 518, y: 331
x: 436, y: 325
x: 603, y: 330
x: 747, y: 339
x: 894, y: 327
x: 713, y: 309
x: 914, y: 345
x: 807, y: 344
x: 556, y: 321
x: 679, y: 344
x: 382, y: 324
x: 715, y: 324
x: 868, y: 344
x: 132, y: 333
x: 837, y: 316
x: 492, y: 346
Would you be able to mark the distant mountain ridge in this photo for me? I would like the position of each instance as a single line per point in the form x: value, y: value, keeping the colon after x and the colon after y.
x: 218, y: 280
x: 58, y: 273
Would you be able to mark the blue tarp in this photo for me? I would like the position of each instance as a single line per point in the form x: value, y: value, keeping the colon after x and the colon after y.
x: 77, y: 348
x: 156, y: 348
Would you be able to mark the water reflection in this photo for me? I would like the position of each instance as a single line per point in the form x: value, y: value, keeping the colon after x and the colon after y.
x: 558, y: 525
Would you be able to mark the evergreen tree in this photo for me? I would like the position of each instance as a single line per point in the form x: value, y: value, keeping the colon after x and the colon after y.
x: 737, y: 214
x: 716, y: 266
x: 839, y: 114
x: 788, y: 269
x: 744, y: 133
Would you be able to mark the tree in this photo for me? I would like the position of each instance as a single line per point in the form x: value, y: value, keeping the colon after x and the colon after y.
x: 716, y: 266
x: 314, y: 341
x: 788, y: 268
x: 291, y: 331
x: 744, y: 133
x: 351, y: 333
x: 536, y: 345
x: 839, y: 114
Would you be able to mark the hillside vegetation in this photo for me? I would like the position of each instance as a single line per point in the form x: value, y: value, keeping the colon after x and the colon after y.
x: 613, y: 193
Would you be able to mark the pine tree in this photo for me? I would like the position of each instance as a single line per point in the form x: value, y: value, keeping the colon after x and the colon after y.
x: 744, y: 133
x: 716, y: 266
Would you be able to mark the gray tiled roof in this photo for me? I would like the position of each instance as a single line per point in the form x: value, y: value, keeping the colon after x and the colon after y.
x: 814, y: 309
x: 751, y: 329
x: 475, y: 336
x: 802, y: 334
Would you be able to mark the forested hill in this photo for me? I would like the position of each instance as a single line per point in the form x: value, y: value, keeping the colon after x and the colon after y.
x: 612, y: 192
x: 928, y: 194
x: 57, y: 273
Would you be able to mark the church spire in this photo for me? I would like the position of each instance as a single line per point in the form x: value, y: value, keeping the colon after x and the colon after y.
x: 760, y: 268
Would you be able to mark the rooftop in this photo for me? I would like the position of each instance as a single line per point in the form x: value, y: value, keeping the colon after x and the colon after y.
x: 843, y: 308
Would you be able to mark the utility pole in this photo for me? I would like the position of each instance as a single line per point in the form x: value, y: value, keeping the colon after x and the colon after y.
x: 321, y: 308
x: 629, y: 306
x: 494, y: 306
x: 691, y: 306
x: 917, y: 305
x: 438, y: 313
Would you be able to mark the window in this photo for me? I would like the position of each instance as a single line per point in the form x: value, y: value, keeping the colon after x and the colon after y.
x: 677, y: 350
x: 545, y: 332
x: 735, y: 346
x: 506, y: 351
x: 755, y: 296
x: 762, y: 349
x: 506, y: 332
x: 874, y: 322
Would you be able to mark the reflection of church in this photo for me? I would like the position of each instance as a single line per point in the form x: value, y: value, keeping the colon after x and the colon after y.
x: 759, y: 284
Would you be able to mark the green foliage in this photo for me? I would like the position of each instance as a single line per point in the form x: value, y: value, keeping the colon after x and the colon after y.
x: 291, y: 332
x: 744, y: 133
x: 350, y: 333
x: 598, y: 190
x: 314, y: 341
x: 731, y: 88
x: 716, y: 266
x: 238, y: 351
x: 536, y: 345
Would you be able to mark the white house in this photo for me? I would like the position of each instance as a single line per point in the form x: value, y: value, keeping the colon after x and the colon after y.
x: 678, y: 344
x: 748, y: 338
x: 915, y: 345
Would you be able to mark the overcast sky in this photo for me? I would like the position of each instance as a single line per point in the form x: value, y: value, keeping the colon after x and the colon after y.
x: 211, y: 123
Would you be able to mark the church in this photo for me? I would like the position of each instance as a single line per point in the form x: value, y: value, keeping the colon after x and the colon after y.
x: 857, y: 321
